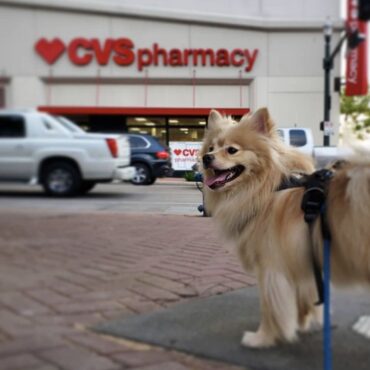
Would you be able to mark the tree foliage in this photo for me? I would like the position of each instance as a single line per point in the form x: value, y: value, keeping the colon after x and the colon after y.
x: 356, y: 114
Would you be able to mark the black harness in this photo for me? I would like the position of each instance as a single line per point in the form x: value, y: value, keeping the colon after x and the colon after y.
x: 292, y: 182
x: 313, y: 205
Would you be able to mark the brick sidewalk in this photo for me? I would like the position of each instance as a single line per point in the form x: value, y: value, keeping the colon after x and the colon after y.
x: 60, y: 274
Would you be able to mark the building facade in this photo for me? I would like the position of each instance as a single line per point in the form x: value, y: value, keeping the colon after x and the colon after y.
x: 159, y: 66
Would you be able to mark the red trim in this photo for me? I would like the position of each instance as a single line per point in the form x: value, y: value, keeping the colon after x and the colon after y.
x: 356, y: 72
x: 141, y: 111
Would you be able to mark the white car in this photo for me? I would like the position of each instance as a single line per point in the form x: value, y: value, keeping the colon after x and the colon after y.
x: 39, y: 148
x: 302, y: 139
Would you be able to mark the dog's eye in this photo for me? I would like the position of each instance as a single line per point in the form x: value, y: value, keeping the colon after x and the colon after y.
x: 210, y: 149
x: 231, y: 150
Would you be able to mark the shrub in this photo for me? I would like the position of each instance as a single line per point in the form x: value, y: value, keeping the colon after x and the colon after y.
x: 189, y: 176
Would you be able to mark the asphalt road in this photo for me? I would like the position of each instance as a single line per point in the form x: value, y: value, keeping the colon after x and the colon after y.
x: 170, y: 197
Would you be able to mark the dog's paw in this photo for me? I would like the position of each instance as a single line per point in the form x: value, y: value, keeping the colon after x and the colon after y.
x: 310, y: 327
x: 312, y: 322
x: 256, y: 340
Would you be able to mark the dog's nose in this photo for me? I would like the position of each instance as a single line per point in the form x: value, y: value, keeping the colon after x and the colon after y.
x: 207, y: 160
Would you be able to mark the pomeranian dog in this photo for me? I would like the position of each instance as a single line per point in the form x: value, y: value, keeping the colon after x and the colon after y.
x: 244, y: 164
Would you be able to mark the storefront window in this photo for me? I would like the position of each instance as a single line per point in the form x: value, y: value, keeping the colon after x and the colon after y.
x: 165, y: 129
x: 158, y: 132
x: 186, y: 128
x: 186, y: 134
x: 146, y: 121
x: 187, y: 121
x: 154, y: 126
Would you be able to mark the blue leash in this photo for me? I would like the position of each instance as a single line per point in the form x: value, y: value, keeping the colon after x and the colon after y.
x: 327, y: 323
x: 313, y: 206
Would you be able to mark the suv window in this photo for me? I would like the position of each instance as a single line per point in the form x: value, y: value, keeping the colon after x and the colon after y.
x: 137, y: 142
x: 297, y: 138
x: 47, y: 124
x: 69, y: 125
x: 12, y: 126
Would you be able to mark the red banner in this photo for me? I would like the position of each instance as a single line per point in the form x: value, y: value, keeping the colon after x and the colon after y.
x: 356, y: 73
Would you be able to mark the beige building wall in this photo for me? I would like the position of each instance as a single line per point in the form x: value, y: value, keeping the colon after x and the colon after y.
x: 287, y: 75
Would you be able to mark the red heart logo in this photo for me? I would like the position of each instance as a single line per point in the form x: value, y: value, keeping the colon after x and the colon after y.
x: 50, y: 51
x: 177, y: 151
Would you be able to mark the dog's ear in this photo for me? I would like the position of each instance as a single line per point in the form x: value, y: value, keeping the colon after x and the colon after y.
x: 246, y: 117
x: 214, y: 120
x: 260, y: 121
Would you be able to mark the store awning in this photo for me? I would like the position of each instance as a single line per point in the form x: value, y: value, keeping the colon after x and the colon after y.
x: 135, y: 111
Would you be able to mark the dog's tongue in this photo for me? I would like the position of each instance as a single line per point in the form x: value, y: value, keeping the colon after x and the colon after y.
x: 217, y: 179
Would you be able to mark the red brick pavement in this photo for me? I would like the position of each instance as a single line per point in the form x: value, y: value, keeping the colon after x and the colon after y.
x: 59, y: 274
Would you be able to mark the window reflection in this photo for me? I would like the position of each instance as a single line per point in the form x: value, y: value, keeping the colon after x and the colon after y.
x: 146, y: 121
x: 187, y: 121
x: 165, y: 129
x: 158, y: 132
x: 186, y: 134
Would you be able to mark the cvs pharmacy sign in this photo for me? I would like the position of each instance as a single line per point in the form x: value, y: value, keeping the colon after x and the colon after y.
x: 123, y: 52
x: 184, y: 154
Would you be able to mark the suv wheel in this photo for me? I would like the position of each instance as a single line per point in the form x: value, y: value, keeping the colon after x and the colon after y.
x: 61, y: 179
x: 86, y: 186
x: 152, y: 180
x: 143, y: 175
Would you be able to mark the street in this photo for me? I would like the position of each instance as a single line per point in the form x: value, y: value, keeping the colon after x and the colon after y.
x: 170, y: 196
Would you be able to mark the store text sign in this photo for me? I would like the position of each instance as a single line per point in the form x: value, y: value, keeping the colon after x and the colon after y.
x: 184, y: 154
x: 122, y: 52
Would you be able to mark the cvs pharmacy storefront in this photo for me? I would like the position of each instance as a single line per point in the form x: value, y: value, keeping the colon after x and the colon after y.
x: 166, y: 109
x: 160, y: 73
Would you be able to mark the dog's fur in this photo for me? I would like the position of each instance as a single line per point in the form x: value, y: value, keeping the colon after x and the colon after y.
x: 268, y: 228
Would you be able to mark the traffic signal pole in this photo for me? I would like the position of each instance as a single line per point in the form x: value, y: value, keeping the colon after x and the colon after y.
x: 328, y: 65
x: 354, y: 38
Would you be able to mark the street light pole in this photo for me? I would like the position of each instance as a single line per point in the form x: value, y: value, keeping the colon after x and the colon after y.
x: 328, y: 65
x: 354, y: 38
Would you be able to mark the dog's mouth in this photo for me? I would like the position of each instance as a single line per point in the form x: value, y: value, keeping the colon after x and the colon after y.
x: 222, y: 177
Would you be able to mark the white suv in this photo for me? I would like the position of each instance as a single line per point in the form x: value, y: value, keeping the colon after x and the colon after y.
x: 36, y: 147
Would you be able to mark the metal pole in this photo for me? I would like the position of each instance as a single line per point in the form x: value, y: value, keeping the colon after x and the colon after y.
x: 328, y: 65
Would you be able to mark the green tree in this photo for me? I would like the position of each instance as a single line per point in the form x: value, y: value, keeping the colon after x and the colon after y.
x: 356, y: 115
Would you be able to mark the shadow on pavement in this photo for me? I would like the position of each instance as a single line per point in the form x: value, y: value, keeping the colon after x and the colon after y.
x: 212, y: 328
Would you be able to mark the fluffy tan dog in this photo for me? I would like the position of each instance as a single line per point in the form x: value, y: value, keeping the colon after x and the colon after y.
x: 244, y: 164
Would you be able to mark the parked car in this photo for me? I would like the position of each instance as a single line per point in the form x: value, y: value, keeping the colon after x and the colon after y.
x: 150, y: 158
x: 36, y: 147
x: 302, y: 139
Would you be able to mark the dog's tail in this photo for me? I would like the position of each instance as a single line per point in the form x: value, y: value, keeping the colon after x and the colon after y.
x: 348, y: 216
x: 358, y: 188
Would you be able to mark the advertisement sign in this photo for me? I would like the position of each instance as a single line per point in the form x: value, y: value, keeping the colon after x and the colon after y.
x: 356, y: 73
x: 184, y: 154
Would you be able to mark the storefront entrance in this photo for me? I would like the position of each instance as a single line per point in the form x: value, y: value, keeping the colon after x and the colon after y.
x: 166, y: 124
x: 181, y: 130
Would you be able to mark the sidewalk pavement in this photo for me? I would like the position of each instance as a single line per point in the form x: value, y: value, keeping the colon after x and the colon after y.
x: 60, y: 274
x: 173, y: 180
